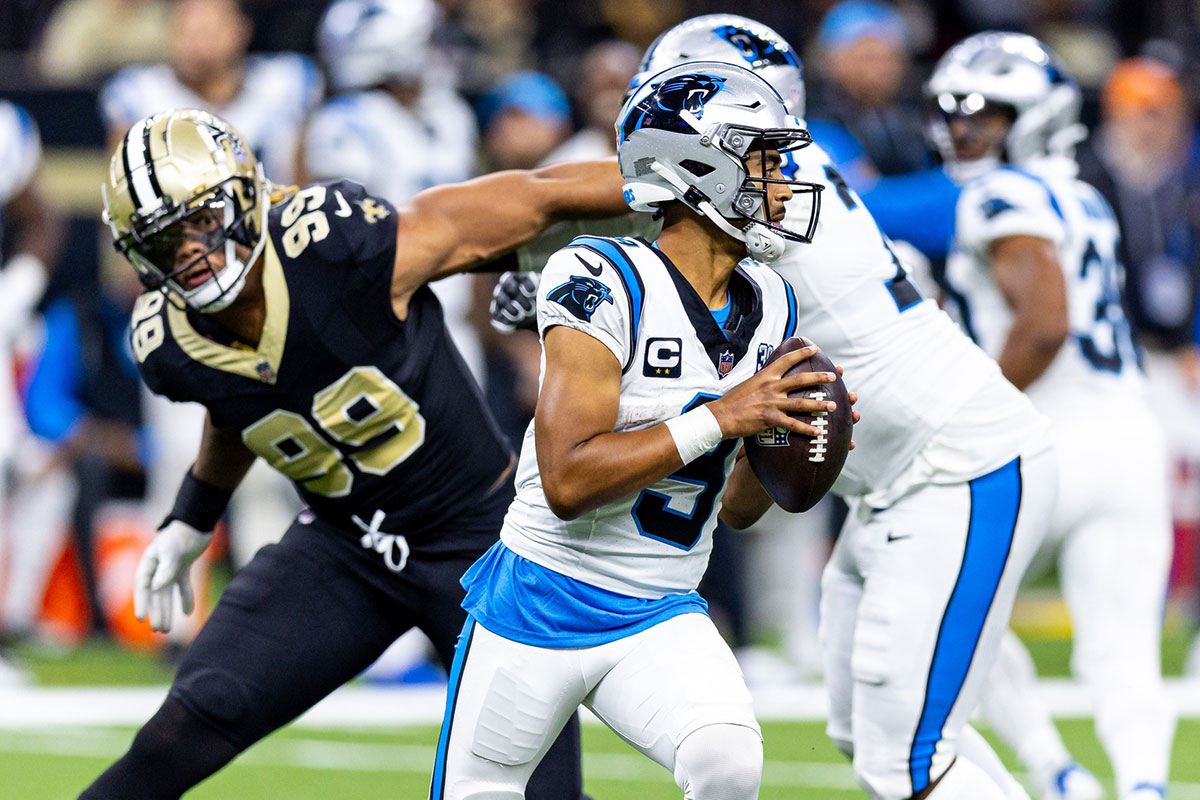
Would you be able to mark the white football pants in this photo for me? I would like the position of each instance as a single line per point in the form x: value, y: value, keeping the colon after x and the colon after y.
x: 673, y: 691
x: 914, y: 602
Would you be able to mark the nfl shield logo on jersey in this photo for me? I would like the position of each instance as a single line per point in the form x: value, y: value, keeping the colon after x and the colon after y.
x: 265, y: 373
x: 725, y: 366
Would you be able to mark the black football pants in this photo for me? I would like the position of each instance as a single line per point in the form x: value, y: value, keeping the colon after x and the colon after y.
x: 302, y: 618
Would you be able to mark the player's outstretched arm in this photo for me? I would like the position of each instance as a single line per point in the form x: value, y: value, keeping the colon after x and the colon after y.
x: 185, y: 533
x: 1028, y: 274
x: 584, y: 464
x: 459, y: 226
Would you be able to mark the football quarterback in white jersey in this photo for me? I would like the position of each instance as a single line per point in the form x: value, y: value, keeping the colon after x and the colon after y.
x: 266, y: 97
x: 943, y: 438
x: 649, y: 378
x: 1034, y: 269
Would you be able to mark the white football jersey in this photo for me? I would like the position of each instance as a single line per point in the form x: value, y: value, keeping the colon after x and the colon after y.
x: 395, y: 152
x: 913, y: 369
x: 1098, y: 361
x: 277, y: 93
x: 628, y: 296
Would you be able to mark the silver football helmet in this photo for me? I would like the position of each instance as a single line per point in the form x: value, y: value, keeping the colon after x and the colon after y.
x: 733, y: 40
x: 365, y: 43
x: 1017, y: 74
x: 686, y: 134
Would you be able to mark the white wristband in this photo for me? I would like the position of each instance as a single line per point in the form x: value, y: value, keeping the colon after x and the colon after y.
x: 695, y: 433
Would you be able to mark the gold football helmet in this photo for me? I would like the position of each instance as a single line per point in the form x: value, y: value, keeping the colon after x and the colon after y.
x: 184, y: 191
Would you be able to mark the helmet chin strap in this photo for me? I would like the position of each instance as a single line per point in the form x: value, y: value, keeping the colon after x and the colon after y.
x: 761, y: 244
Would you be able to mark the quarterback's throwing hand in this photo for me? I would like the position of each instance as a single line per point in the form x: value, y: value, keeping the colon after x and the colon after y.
x: 514, y: 302
x: 163, y: 566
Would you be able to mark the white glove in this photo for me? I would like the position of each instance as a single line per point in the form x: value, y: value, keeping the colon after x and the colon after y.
x: 163, y: 566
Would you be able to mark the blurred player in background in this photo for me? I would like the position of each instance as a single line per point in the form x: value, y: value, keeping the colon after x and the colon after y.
x: 1035, y: 267
x: 590, y: 597
x: 929, y: 449
x: 302, y: 321
x: 34, y: 247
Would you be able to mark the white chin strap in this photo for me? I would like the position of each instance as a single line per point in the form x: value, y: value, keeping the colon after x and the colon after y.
x: 761, y: 243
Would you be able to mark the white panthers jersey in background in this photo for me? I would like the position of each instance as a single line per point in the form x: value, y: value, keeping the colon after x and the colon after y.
x: 627, y: 295
x: 1098, y: 360
x: 395, y: 152
x: 277, y: 93
x: 913, y: 369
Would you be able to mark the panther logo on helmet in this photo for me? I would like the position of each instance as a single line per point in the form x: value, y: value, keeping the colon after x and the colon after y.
x: 662, y: 106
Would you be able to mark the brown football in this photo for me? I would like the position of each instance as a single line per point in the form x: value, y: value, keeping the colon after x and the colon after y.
x: 797, y: 470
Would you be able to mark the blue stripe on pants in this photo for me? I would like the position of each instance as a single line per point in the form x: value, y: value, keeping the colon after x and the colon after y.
x: 438, y: 785
x: 995, y: 502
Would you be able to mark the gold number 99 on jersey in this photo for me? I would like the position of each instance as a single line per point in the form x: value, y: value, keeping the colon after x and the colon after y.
x: 146, y: 326
x: 362, y: 409
x: 304, y: 221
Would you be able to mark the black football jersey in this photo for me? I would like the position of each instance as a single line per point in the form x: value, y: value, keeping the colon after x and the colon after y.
x: 364, y: 412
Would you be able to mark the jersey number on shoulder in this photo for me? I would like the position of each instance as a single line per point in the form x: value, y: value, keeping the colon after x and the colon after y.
x: 304, y: 221
x: 146, y: 326
x: 377, y: 425
x: 652, y: 511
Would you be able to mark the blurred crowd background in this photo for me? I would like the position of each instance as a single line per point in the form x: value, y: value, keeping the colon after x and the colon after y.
x: 90, y: 461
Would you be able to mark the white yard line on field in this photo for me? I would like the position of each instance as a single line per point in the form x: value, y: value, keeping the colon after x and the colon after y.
x: 296, y: 753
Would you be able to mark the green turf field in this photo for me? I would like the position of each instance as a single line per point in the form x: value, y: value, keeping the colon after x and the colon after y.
x: 364, y: 765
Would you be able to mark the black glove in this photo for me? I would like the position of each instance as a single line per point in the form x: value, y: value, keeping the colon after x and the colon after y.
x: 514, y: 302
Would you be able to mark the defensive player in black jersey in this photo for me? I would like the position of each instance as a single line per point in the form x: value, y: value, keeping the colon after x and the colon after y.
x: 302, y: 321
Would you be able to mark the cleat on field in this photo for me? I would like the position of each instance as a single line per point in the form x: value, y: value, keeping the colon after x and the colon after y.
x: 1073, y: 782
